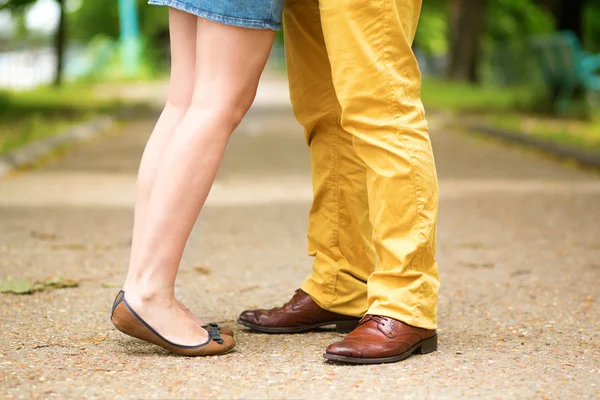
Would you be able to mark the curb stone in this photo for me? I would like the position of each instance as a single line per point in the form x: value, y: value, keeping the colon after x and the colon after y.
x: 581, y: 156
x: 586, y: 158
x: 30, y: 153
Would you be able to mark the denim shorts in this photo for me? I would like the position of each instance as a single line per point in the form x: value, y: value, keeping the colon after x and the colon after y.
x: 259, y: 14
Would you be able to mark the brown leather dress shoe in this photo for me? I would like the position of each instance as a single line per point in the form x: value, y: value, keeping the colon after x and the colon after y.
x: 379, y: 339
x: 130, y: 323
x: 300, y: 314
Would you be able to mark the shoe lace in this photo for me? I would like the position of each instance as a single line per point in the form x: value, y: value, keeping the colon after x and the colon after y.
x: 378, y: 318
x: 293, y: 300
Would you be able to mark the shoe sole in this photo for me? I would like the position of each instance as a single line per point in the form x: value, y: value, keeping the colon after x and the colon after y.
x: 423, y: 347
x: 340, y: 327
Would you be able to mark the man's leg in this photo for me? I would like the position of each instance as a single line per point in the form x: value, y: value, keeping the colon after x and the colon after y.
x: 377, y: 82
x: 340, y: 233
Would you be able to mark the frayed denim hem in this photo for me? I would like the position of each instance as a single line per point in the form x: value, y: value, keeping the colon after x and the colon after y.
x: 241, y: 22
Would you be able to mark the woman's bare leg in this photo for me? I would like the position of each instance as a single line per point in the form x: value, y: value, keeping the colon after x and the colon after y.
x: 183, y: 27
x: 229, y: 61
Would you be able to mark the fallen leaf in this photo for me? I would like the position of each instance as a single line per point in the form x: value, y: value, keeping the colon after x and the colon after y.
x: 202, y: 269
x: 520, y: 272
x: 24, y: 286
x: 111, y: 284
x: 59, y: 282
x: 478, y: 265
x: 19, y: 286
x: 94, y: 340
x: 100, y: 338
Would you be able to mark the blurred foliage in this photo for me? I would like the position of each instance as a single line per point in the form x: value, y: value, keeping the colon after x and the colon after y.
x: 501, y: 44
x: 33, y: 115
x: 85, y: 22
x: 573, y: 132
x: 13, y: 5
x: 94, y: 18
x: 505, y: 20
x: 102, y: 35
x: 466, y: 97
x: 104, y: 58
x: 591, y: 26
x: 432, y: 35
x: 508, y: 24
x: 515, y: 109
x: 18, y: 7
x: 516, y: 20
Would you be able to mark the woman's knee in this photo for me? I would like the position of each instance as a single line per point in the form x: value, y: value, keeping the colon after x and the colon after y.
x: 181, y: 89
x: 239, y: 106
x: 228, y: 110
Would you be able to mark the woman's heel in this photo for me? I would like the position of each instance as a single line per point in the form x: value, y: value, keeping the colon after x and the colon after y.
x: 346, y: 326
x: 428, y: 345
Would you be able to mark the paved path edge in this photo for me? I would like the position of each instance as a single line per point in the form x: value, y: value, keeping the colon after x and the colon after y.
x: 581, y: 156
x: 31, y: 152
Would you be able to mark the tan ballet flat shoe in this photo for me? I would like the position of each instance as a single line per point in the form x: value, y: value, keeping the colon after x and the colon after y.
x: 130, y: 323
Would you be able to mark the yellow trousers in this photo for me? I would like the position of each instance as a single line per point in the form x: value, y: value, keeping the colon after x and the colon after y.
x: 355, y: 87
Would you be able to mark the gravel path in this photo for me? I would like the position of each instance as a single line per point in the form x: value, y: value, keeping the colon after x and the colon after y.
x: 519, y: 251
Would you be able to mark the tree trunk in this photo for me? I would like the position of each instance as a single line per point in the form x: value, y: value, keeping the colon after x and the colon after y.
x: 60, y: 44
x: 569, y: 16
x: 466, y: 27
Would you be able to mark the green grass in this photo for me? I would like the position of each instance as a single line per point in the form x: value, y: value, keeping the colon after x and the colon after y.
x: 472, y: 98
x: 514, y: 109
x: 33, y: 115
x: 583, y: 134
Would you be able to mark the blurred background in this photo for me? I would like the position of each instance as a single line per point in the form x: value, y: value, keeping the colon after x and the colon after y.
x: 490, y: 58
x: 513, y: 63
x: 518, y: 239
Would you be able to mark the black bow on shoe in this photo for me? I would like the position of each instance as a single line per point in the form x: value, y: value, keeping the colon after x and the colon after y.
x: 214, y: 332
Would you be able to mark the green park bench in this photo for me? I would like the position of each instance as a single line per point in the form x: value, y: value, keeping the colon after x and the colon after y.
x: 566, y: 68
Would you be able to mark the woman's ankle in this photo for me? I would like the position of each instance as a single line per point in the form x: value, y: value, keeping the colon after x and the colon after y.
x: 148, y: 293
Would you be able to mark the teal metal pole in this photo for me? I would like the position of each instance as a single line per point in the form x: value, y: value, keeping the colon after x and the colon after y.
x: 130, y: 43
